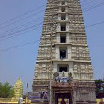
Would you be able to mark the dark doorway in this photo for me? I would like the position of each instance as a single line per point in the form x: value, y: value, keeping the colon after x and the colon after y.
x: 63, y: 9
x: 63, y: 39
x: 63, y: 69
x: 63, y: 28
x: 63, y: 96
x: 62, y: 54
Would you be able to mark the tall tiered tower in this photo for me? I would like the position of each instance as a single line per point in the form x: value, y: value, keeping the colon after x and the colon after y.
x: 63, y: 54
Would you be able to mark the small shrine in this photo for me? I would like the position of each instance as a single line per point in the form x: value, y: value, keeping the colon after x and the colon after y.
x: 18, y: 88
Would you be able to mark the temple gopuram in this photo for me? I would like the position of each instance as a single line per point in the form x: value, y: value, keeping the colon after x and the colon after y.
x: 63, y: 72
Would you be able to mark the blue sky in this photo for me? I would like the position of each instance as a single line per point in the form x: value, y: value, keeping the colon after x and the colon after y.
x: 20, y: 61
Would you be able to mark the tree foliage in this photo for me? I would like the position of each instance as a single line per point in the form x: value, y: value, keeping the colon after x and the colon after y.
x: 6, y: 90
x: 24, y: 96
x: 99, y: 88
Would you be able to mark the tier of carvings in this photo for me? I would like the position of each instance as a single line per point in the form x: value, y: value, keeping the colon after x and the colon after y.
x: 83, y: 71
x: 80, y: 53
x: 39, y: 83
x: 83, y: 67
x: 78, y: 39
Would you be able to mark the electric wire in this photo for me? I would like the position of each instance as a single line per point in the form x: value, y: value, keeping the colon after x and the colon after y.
x: 19, y: 27
x: 20, y: 34
x: 22, y: 30
x: 98, y: 23
x: 84, y: 7
x: 28, y: 13
x: 21, y: 45
x: 38, y: 12
x: 34, y: 28
x: 21, y: 19
x: 93, y: 7
x: 39, y: 40
x: 83, y: 2
x: 22, y: 15
x: 88, y: 4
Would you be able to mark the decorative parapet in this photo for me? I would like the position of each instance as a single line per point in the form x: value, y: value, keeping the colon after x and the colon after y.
x: 13, y: 101
x: 64, y: 84
x: 72, y: 84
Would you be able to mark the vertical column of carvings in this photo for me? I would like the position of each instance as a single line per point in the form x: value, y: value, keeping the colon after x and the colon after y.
x: 80, y: 53
x: 43, y: 52
x: 43, y: 59
x: 77, y: 31
x: 83, y: 71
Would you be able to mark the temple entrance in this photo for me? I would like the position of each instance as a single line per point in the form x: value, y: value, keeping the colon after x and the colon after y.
x: 63, y: 98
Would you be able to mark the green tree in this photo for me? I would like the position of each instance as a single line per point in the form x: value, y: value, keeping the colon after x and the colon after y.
x: 6, y: 90
x: 24, y: 96
x: 99, y: 88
